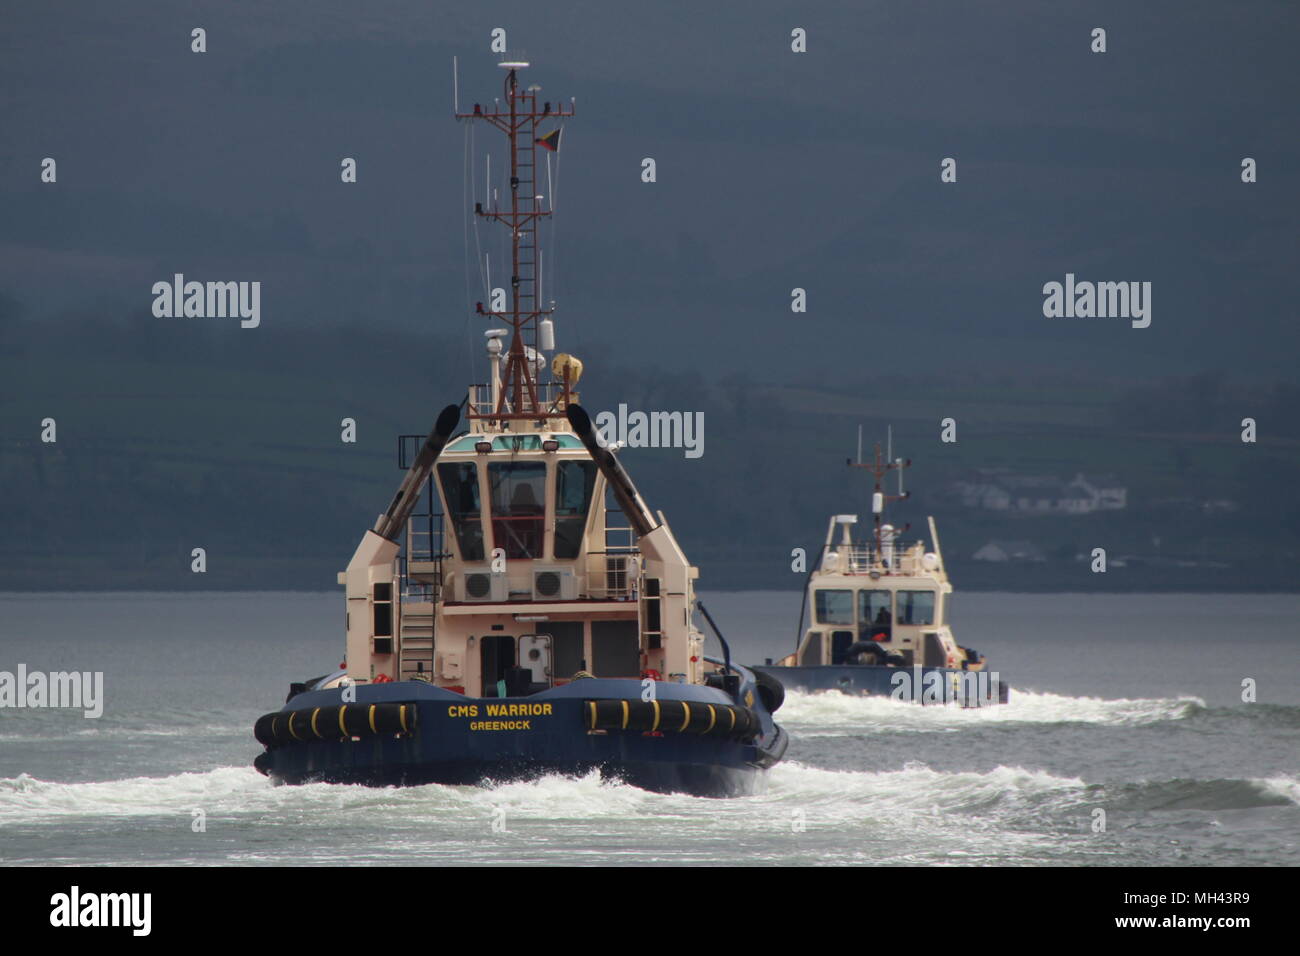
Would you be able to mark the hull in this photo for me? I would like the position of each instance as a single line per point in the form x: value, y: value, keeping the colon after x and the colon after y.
x: 457, y: 740
x: 924, y: 685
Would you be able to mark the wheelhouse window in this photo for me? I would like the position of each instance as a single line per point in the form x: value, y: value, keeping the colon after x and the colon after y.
x: 833, y: 607
x: 460, y: 491
x: 517, y: 492
x: 574, y: 481
x: 875, y: 615
x: 915, y: 607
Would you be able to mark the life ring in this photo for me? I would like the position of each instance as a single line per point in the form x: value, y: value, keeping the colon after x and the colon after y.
x: 382, y: 679
x: 651, y: 674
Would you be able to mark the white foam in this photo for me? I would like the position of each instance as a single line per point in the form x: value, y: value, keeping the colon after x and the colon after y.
x: 1282, y: 786
x: 239, y: 791
x: 26, y: 798
x: 915, y: 786
x: 242, y: 790
x: 561, y: 797
x: 831, y: 713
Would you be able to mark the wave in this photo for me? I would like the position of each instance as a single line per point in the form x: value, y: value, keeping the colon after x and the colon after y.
x: 242, y: 790
x: 841, y: 795
x: 831, y: 713
x: 1011, y: 791
x: 1217, y: 794
x: 917, y: 787
x: 910, y: 816
x: 1282, y: 716
x: 52, y: 724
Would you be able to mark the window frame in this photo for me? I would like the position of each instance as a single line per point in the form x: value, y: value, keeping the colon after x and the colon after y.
x: 817, y: 618
x: 911, y: 622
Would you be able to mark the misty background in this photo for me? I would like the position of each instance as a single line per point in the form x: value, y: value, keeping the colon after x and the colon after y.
x: 775, y: 170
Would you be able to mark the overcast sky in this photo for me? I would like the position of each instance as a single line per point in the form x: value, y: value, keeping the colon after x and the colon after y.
x: 776, y: 170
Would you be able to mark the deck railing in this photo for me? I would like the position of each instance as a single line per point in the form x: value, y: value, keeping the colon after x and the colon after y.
x: 550, y: 401
x: 863, y: 559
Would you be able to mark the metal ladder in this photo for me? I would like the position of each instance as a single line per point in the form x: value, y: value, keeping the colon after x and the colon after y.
x: 417, y: 640
x: 419, y: 601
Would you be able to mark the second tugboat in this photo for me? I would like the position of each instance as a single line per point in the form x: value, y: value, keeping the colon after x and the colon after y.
x: 879, y: 617
x: 502, y: 623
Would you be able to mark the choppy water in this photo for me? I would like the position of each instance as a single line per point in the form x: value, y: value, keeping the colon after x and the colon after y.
x: 1108, y: 711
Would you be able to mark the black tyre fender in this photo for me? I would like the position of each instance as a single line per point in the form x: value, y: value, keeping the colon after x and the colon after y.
x: 859, y: 648
x: 770, y: 691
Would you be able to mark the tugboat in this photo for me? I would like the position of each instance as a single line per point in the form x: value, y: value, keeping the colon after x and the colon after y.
x: 879, y: 615
x: 504, y: 621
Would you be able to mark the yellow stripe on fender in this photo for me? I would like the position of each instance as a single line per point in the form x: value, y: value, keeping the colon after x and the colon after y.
x: 625, y: 711
x: 732, y: 712
x: 401, y: 715
x: 713, y: 718
x: 373, y: 729
x: 314, y: 729
x: 343, y: 728
x: 687, y: 719
x: 655, y: 725
x: 293, y: 733
x: 592, y: 705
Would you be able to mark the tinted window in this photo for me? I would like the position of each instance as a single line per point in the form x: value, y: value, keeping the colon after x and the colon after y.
x: 460, y: 491
x: 873, y: 607
x: 915, y: 607
x: 517, y: 491
x: 875, y: 616
x: 834, y: 607
x: 574, y: 481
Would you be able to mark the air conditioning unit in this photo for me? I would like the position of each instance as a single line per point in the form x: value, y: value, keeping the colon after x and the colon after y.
x: 554, y: 584
x: 482, y: 586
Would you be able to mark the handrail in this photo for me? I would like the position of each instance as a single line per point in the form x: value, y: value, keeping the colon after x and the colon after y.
x: 803, y: 605
x: 726, y: 648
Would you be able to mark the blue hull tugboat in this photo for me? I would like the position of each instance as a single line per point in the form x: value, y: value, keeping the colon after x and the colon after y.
x: 503, y: 622
x: 880, y: 617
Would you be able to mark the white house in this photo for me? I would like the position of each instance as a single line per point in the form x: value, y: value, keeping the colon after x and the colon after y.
x: 1004, y: 551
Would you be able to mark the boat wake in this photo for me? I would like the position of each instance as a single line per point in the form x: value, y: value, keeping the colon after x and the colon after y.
x: 241, y: 791
x: 905, y: 816
x: 831, y: 713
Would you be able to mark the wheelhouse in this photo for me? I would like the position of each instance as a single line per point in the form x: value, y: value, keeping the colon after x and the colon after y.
x: 846, y: 613
x: 523, y: 565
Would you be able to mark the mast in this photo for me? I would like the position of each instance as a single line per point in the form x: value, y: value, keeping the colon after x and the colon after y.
x: 878, y: 469
x: 519, y: 118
